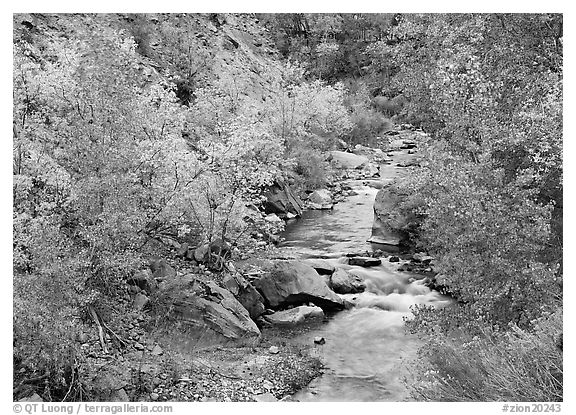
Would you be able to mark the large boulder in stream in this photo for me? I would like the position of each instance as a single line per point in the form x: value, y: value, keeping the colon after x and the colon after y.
x: 388, y: 225
x: 320, y: 199
x: 348, y: 160
x: 294, y: 316
x: 281, y: 200
x: 295, y: 283
x: 214, y: 313
x: 344, y: 282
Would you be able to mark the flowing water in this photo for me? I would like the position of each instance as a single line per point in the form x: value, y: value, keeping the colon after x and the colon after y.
x: 366, y: 347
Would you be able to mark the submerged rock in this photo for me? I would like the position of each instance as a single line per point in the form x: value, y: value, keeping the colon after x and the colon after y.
x: 295, y: 283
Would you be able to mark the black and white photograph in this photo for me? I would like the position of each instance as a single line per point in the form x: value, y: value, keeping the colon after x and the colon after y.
x: 286, y: 207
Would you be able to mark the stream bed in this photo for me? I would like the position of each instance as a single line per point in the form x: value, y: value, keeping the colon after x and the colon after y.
x: 366, y: 347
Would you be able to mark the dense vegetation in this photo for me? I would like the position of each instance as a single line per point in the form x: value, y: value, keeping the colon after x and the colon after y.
x: 127, y: 136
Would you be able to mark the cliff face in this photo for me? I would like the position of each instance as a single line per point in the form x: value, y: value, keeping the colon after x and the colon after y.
x: 190, y: 50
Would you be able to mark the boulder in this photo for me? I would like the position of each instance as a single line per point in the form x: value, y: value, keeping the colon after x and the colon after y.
x: 321, y: 266
x: 157, y: 351
x: 272, y: 218
x: 295, y: 283
x: 409, y: 163
x: 376, y: 184
x: 402, y: 144
x: 320, y: 197
x: 394, y: 258
x: 140, y: 301
x: 274, y: 350
x: 388, y: 226
x: 161, y: 270
x: 246, y: 294
x: 344, y: 282
x: 422, y: 257
x: 218, y: 313
x: 371, y: 170
x: 364, y: 262
x: 281, y: 200
x: 218, y: 247
x: 348, y: 160
x: 144, y: 280
x: 295, y: 316
x: 319, y: 340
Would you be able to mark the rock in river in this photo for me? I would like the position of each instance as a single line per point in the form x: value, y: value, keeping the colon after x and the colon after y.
x: 321, y: 266
x: 320, y: 197
x: 349, y: 160
x: 295, y: 316
x: 364, y: 261
x: 281, y: 200
x: 345, y: 283
x: 388, y: 226
x: 292, y: 282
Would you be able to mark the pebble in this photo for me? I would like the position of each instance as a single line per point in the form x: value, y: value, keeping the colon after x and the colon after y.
x: 154, y: 396
x: 138, y: 346
x: 157, y: 350
x: 274, y: 350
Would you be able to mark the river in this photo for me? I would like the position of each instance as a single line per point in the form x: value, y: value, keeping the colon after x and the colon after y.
x: 366, y: 347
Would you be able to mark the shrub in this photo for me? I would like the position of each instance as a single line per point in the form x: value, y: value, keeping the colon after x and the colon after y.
x: 389, y: 106
x: 492, y: 365
x: 312, y: 171
x: 367, y: 124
